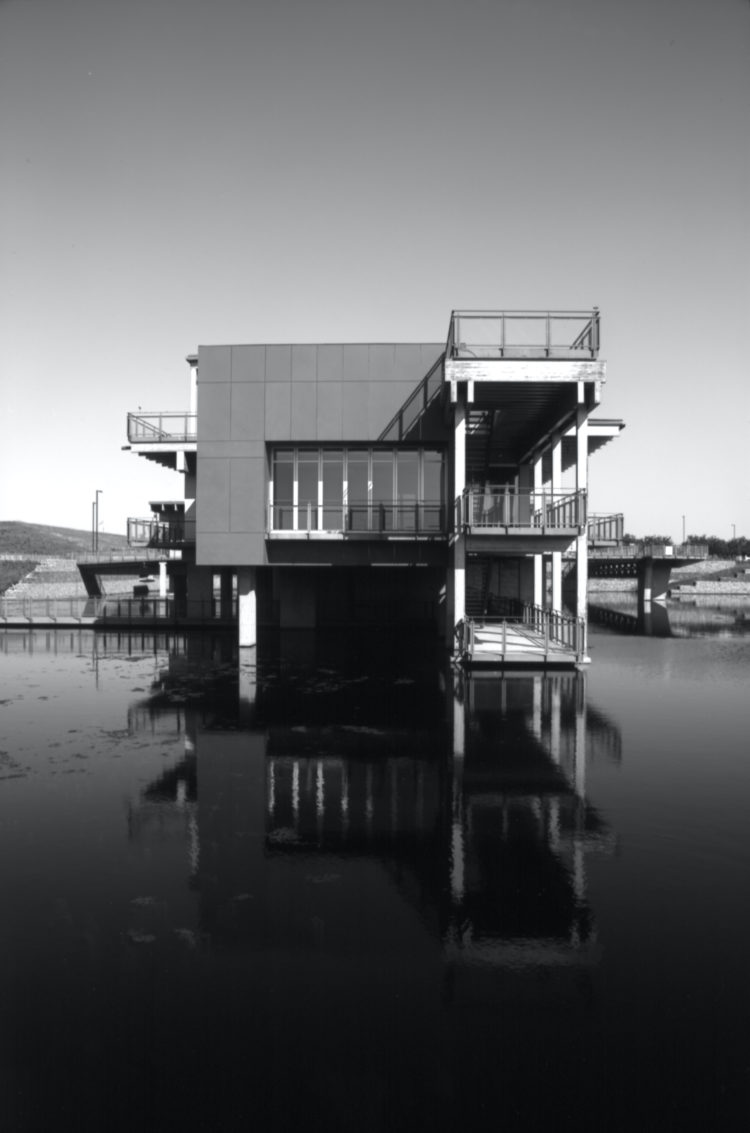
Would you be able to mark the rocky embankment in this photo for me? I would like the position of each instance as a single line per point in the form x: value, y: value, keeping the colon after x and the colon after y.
x: 55, y: 577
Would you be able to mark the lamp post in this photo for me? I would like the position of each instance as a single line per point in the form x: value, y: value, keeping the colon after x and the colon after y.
x: 683, y: 528
x: 99, y: 492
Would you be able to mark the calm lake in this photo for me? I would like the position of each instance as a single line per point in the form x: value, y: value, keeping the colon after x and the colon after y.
x: 339, y: 887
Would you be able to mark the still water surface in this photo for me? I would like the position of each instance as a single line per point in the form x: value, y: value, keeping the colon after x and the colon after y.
x: 330, y: 891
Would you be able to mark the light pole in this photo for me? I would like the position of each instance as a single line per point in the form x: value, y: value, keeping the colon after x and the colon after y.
x: 683, y: 528
x: 99, y: 492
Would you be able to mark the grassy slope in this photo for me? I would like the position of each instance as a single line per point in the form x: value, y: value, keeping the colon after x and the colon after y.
x: 34, y: 539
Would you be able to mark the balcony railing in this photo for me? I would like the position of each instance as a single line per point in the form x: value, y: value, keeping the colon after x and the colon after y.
x: 606, y: 528
x: 524, y: 334
x: 156, y: 533
x: 502, y: 507
x: 374, y: 520
x: 162, y: 428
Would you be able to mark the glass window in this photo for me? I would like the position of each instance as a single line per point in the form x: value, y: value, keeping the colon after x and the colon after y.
x: 407, y: 490
x: 382, y: 491
x: 333, y: 489
x: 307, y: 491
x: 283, y: 490
x: 358, y: 489
x: 432, y: 491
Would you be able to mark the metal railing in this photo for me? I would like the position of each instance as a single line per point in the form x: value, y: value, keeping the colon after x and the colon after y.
x: 155, y: 533
x: 420, y: 518
x: 606, y: 528
x: 640, y: 549
x: 524, y: 334
x: 554, y: 628
x: 493, y: 507
x: 115, y: 610
x: 162, y: 428
x: 408, y: 415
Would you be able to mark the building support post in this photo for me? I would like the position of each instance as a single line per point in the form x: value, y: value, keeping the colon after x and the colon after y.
x: 538, y: 558
x: 247, y: 602
x: 459, y: 539
x: 162, y: 578
x: 582, y: 550
x: 555, y: 486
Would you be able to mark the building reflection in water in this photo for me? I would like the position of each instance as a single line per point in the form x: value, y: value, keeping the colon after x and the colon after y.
x: 467, y: 795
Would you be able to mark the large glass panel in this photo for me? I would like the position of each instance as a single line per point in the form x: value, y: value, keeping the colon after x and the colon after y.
x: 307, y: 491
x: 432, y: 491
x: 333, y: 490
x: 358, y: 475
x: 407, y: 490
x: 283, y: 490
x: 382, y: 491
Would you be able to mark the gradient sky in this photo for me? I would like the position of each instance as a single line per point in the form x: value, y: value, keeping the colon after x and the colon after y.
x: 183, y: 172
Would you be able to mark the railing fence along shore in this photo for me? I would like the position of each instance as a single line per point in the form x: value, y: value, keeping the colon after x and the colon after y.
x: 116, y: 610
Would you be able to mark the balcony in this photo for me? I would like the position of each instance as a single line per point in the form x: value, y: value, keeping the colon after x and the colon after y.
x: 572, y: 335
x: 162, y: 428
x: 393, y: 520
x: 503, y: 510
x: 156, y: 533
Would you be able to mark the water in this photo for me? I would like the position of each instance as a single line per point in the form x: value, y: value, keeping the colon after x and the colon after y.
x: 355, y: 893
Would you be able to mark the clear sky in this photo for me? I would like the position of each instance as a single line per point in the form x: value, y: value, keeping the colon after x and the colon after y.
x: 183, y: 172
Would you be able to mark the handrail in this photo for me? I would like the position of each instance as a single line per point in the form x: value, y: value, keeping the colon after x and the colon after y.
x: 532, y: 334
x: 114, y: 610
x: 424, y: 395
x: 502, y: 506
x: 556, y: 628
x: 150, y: 427
x: 606, y: 527
x: 357, y: 518
x: 156, y: 533
x: 640, y: 549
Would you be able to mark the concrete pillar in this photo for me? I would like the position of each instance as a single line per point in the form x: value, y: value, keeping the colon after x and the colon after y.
x: 556, y: 485
x: 162, y: 578
x: 582, y: 479
x: 459, y: 542
x: 200, y: 591
x: 247, y: 603
x: 538, y: 481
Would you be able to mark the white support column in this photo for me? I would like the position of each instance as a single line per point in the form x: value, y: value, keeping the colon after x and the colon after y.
x: 582, y: 479
x: 162, y: 578
x: 538, y: 559
x: 555, y: 485
x: 459, y: 483
x: 247, y: 603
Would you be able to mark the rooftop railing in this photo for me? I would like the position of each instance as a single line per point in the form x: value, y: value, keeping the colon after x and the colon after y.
x: 503, y: 507
x: 524, y: 334
x: 162, y: 428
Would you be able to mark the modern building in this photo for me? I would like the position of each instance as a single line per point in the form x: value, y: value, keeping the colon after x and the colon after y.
x: 438, y: 485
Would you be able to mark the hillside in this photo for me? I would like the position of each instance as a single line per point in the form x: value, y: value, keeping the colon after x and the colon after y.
x: 33, y: 539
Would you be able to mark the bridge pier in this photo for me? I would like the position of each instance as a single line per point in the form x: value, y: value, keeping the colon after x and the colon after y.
x: 653, y: 580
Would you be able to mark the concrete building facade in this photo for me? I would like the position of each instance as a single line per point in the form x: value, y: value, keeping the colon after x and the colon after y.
x: 437, y: 484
